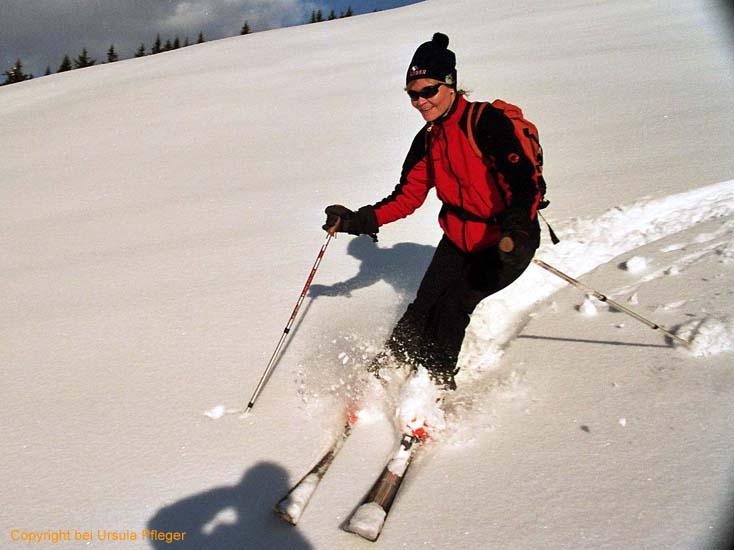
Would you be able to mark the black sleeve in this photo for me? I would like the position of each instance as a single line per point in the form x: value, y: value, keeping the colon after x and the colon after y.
x: 416, y: 153
x: 496, y: 139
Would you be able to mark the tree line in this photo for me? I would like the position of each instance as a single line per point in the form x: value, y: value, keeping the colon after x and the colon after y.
x: 17, y: 73
x: 317, y: 16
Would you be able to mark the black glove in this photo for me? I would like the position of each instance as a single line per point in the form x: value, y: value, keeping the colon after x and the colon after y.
x: 361, y: 222
x: 516, y: 241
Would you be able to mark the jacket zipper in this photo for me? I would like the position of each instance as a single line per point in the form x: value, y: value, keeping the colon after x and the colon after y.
x: 460, y: 192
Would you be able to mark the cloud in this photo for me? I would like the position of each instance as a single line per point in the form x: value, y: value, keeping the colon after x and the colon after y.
x: 41, y: 32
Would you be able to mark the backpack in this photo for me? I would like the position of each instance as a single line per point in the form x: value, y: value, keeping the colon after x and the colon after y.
x: 526, y: 133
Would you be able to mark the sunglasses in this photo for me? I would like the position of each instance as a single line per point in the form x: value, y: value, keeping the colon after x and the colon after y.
x: 425, y: 93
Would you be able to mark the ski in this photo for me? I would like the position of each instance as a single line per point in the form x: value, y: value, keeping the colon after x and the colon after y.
x: 293, y: 504
x: 369, y: 517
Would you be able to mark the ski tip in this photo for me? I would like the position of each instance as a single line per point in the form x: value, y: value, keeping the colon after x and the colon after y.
x: 367, y: 521
x: 285, y: 516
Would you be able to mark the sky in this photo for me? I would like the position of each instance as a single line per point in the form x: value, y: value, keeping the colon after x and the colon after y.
x: 41, y: 32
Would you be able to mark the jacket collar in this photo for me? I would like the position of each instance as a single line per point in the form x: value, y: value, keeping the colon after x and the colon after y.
x: 454, y: 113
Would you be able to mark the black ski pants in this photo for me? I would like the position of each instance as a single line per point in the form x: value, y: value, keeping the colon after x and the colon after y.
x: 431, y: 331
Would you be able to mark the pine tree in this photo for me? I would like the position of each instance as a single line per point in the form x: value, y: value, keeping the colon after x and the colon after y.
x: 156, y: 45
x: 83, y: 60
x: 332, y: 15
x: 319, y: 16
x: 168, y: 47
x: 349, y: 12
x: 16, y: 74
x: 200, y: 40
x: 186, y: 42
x: 141, y: 50
x: 313, y: 16
x: 245, y: 28
x: 176, y: 43
x: 112, y: 54
x: 48, y: 70
x: 65, y: 65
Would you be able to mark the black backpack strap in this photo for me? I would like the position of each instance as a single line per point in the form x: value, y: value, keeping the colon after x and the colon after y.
x: 475, y: 111
x: 466, y: 216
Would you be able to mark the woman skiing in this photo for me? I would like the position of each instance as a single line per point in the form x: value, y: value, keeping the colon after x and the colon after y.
x: 490, y: 193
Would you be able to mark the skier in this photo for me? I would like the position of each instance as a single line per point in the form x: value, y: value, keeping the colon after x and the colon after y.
x: 488, y: 216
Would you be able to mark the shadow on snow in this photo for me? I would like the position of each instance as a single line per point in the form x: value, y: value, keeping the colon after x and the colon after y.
x: 402, y: 267
x: 232, y: 517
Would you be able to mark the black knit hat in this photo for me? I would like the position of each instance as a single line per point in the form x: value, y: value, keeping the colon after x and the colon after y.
x: 434, y: 60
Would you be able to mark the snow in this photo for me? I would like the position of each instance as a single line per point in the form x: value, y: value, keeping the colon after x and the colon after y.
x: 159, y: 216
x: 589, y: 307
x: 216, y: 412
x: 635, y: 264
x: 709, y: 336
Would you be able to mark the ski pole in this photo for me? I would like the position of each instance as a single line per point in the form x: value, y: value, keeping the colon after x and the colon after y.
x: 271, y: 364
x: 602, y: 298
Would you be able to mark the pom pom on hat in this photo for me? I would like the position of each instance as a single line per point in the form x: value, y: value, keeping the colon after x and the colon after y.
x: 441, y: 40
x: 433, y: 60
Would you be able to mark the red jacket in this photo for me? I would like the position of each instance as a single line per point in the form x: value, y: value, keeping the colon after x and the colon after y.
x: 474, y: 191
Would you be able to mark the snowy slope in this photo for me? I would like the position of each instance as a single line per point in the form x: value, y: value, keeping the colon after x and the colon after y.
x: 159, y: 216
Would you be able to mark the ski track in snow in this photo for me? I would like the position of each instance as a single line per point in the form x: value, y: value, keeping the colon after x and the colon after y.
x: 585, y: 245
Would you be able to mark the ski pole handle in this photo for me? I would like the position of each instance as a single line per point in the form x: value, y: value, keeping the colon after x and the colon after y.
x: 334, y: 228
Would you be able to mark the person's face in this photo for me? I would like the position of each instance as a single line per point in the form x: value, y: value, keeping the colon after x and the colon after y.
x: 439, y: 102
